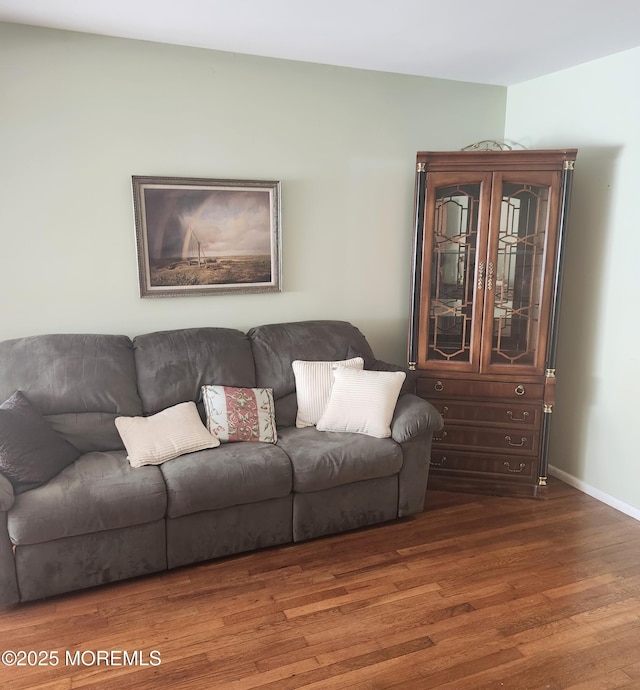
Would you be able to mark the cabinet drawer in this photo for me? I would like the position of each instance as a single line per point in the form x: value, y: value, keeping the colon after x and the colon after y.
x: 433, y: 388
x: 453, y: 462
x: 515, y: 441
x: 509, y: 415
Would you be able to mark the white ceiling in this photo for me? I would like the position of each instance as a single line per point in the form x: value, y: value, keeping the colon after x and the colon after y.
x: 488, y: 41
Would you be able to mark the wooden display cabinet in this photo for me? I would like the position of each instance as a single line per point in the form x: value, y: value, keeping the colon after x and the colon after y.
x: 486, y: 277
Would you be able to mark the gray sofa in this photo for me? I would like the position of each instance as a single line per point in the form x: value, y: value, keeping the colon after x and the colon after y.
x: 100, y: 520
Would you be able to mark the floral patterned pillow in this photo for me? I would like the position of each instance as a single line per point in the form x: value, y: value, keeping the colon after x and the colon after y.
x: 240, y: 414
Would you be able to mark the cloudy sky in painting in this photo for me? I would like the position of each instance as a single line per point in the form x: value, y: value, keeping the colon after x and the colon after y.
x: 225, y: 221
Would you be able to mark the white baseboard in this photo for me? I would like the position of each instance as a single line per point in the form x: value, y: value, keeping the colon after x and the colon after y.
x: 595, y: 493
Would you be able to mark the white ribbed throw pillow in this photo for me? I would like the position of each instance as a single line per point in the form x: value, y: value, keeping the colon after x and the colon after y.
x: 163, y: 436
x: 362, y: 402
x: 313, y: 386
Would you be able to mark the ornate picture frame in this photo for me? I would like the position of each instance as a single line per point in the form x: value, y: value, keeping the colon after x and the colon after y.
x: 198, y: 236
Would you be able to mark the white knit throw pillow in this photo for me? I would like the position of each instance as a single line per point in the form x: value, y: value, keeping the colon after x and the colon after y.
x: 362, y: 402
x: 314, y: 381
x: 163, y: 436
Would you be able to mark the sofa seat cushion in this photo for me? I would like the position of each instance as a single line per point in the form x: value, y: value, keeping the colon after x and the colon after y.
x: 99, y: 491
x: 325, y: 459
x: 232, y: 474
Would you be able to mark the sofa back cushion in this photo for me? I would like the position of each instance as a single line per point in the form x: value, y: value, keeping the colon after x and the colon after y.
x: 276, y: 346
x: 80, y: 383
x: 172, y: 366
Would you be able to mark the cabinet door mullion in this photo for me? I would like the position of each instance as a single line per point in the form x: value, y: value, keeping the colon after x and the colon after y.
x: 454, y: 257
x: 521, y: 250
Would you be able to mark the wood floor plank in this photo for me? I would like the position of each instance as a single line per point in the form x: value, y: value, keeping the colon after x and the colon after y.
x: 611, y: 681
x: 475, y: 593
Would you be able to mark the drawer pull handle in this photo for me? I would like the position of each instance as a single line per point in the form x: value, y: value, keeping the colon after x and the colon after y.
x: 438, y: 386
x: 509, y: 468
x: 441, y: 437
x: 524, y: 417
x: 443, y: 459
x: 523, y: 440
x: 520, y: 390
x: 445, y: 409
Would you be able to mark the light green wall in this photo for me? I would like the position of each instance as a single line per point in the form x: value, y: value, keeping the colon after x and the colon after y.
x: 596, y: 108
x: 80, y: 114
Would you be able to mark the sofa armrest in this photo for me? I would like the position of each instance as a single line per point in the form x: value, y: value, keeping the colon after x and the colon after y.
x: 414, y: 416
x: 9, y: 593
x: 6, y: 494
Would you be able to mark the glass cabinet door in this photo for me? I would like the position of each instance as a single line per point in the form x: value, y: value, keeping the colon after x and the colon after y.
x: 457, y: 207
x: 522, y: 237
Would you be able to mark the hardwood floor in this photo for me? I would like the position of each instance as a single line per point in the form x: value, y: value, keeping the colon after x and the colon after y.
x: 474, y: 593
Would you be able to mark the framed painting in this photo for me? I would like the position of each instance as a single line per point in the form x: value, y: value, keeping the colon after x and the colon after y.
x: 204, y: 237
